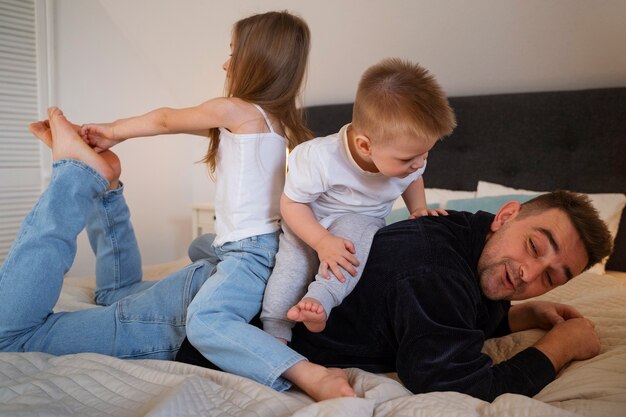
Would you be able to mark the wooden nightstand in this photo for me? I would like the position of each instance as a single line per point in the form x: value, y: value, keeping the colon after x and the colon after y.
x: 203, y: 219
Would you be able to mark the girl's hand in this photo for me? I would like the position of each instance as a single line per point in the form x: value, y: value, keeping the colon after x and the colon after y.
x: 424, y: 211
x: 335, y: 253
x: 99, y: 136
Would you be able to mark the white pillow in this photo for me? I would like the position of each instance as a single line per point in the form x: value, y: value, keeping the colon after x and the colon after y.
x: 609, y: 207
x: 438, y: 196
x: 442, y: 196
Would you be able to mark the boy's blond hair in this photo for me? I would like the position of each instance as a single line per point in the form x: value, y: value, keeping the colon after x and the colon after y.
x: 399, y: 97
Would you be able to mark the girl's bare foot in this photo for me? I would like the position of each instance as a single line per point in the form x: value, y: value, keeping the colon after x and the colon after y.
x: 318, y: 382
x: 310, y: 312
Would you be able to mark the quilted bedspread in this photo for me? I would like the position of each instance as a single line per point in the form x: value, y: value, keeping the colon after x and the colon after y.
x: 38, y: 384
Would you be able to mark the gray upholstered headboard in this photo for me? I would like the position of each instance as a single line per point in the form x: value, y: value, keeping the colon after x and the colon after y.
x: 574, y: 140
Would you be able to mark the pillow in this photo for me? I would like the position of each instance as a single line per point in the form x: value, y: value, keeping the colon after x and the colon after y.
x: 441, y: 195
x: 397, y: 215
x: 609, y: 206
x: 490, y: 204
x: 435, y: 198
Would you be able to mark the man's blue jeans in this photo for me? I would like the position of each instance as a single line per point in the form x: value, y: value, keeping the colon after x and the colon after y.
x: 138, y: 320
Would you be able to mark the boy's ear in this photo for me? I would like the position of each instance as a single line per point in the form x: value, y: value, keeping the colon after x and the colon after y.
x: 507, y: 212
x: 363, y: 144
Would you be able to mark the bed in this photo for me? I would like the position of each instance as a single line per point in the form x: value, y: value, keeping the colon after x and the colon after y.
x: 506, y: 146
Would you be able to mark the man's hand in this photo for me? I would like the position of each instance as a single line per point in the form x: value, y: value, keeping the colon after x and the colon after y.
x: 335, y: 253
x: 540, y: 314
x: 574, y: 339
x: 99, y: 136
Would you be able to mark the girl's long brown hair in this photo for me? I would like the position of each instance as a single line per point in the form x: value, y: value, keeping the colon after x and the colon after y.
x: 267, y: 67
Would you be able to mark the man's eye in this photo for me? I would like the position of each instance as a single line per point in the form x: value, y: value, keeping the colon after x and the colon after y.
x: 533, y: 248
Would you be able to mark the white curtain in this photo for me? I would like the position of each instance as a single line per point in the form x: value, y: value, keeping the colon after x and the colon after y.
x: 20, y: 160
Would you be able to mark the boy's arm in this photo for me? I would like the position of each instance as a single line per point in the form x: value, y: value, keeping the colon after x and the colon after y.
x: 333, y: 251
x: 415, y: 199
x: 219, y: 112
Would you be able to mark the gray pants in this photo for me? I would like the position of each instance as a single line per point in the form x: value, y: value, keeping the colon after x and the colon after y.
x: 297, y: 263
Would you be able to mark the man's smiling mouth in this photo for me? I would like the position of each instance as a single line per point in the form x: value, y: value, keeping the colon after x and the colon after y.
x: 508, y: 281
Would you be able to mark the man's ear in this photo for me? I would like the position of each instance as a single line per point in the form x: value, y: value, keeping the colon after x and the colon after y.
x: 506, y: 213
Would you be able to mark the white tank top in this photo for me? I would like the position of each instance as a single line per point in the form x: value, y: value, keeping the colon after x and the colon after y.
x: 250, y: 176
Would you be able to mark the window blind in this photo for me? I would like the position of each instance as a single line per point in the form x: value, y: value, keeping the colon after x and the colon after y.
x: 20, y: 160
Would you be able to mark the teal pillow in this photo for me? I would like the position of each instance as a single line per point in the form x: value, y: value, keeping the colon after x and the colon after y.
x: 403, y: 213
x: 490, y: 204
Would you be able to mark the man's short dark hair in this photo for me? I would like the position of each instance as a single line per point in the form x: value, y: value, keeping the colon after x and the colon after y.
x: 592, y: 230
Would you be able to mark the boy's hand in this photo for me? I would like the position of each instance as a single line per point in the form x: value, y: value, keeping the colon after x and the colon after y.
x: 335, y: 253
x: 424, y: 211
x: 99, y: 136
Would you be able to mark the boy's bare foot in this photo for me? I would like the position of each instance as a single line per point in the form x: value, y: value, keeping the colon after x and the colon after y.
x: 60, y: 135
x: 310, y: 312
x: 318, y: 382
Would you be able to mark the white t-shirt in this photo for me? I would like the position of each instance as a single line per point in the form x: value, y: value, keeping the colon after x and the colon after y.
x: 323, y: 174
x: 250, y: 176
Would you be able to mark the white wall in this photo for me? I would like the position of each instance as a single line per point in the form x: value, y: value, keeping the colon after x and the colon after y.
x: 116, y: 58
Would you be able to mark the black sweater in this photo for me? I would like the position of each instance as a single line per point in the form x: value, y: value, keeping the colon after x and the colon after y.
x: 418, y: 310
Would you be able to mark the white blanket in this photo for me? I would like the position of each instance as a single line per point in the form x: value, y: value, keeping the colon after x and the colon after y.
x: 37, y: 384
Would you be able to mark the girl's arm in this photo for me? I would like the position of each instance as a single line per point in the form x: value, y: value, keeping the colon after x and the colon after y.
x: 218, y: 112
x: 333, y: 252
x: 415, y: 199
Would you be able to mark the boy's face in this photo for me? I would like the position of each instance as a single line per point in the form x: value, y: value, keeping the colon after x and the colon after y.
x: 400, y: 156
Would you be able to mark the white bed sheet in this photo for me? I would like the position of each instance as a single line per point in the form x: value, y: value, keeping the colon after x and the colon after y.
x: 37, y: 384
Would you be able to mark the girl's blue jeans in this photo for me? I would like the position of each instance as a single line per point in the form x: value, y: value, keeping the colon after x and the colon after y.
x: 218, y: 317
x: 135, y: 319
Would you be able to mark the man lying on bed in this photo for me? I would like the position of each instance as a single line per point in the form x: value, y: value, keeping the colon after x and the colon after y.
x: 423, y: 306
x: 435, y: 288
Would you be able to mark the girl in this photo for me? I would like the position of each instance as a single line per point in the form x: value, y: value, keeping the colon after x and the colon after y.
x: 249, y: 131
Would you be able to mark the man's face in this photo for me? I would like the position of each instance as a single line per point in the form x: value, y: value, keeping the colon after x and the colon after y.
x: 526, y: 257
